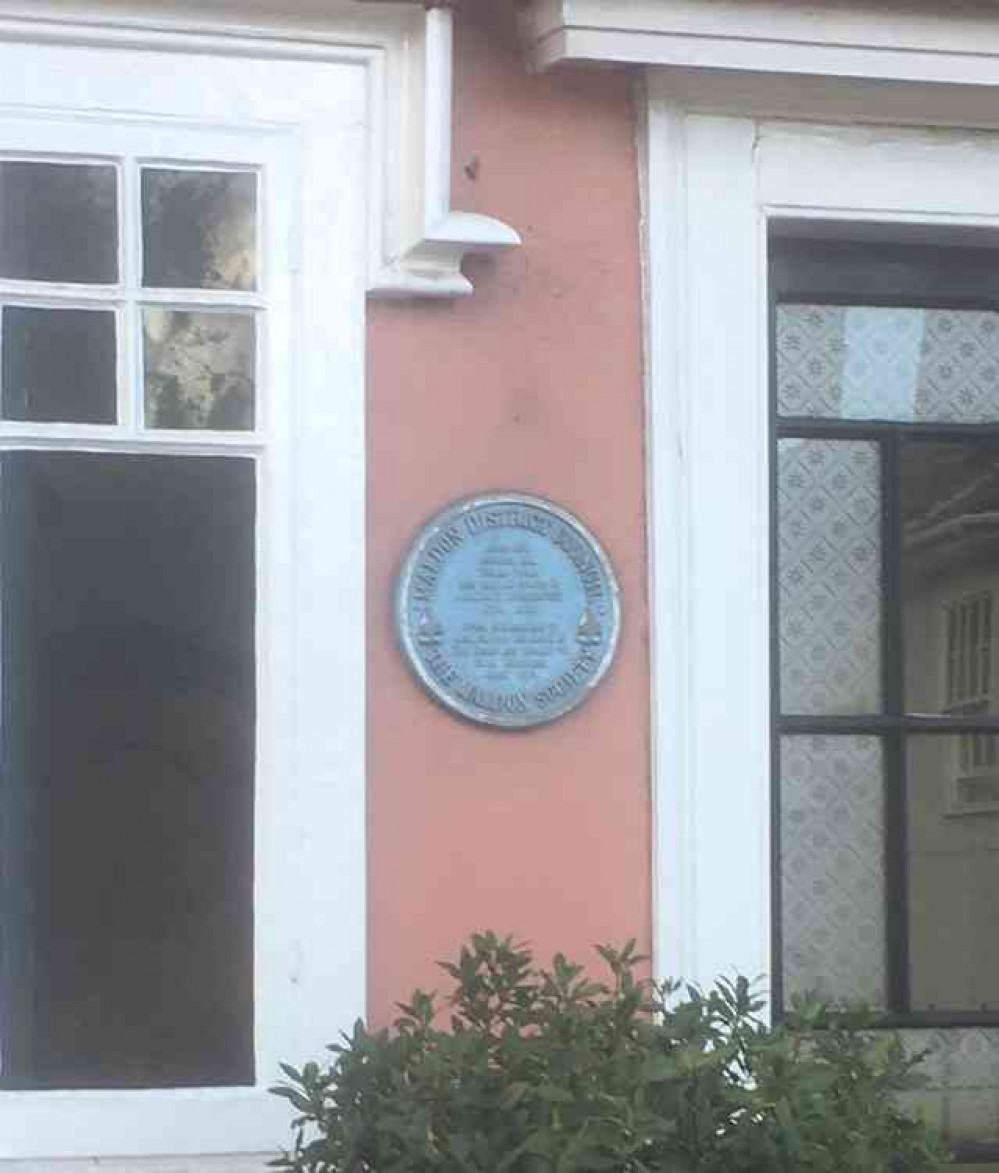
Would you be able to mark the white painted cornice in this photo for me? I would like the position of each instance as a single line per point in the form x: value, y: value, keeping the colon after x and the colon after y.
x: 417, y: 243
x: 885, y: 60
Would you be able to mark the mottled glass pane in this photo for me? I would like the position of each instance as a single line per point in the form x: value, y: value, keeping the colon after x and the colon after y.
x: 953, y: 868
x: 833, y: 867
x: 199, y: 229
x: 875, y: 362
x: 200, y: 369
x: 58, y: 222
x: 829, y: 563
x: 59, y: 365
x: 971, y: 1101
x: 962, y: 1074
x: 127, y: 753
x: 949, y: 504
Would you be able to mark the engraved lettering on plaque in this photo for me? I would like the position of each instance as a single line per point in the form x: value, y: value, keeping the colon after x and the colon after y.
x: 508, y: 610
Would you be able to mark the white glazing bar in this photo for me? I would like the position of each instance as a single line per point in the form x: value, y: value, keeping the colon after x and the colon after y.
x: 81, y: 438
x: 130, y: 386
x: 201, y: 299
x: 61, y: 296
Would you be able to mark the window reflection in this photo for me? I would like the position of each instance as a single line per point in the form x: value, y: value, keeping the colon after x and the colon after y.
x: 199, y: 229
x: 949, y: 498
x: 953, y: 867
x: 200, y: 369
x: 949, y: 501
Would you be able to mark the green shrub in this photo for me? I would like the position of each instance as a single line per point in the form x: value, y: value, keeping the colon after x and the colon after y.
x: 544, y: 1070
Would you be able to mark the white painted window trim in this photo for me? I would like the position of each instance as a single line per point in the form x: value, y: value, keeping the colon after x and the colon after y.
x: 416, y: 241
x: 713, y: 181
x: 310, y: 934
x: 711, y: 894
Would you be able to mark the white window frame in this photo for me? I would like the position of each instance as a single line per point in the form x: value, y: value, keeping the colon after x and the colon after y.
x: 715, y: 185
x: 309, y: 916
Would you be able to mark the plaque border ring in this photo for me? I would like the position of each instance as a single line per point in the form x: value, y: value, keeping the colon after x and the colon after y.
x: 425, y: 537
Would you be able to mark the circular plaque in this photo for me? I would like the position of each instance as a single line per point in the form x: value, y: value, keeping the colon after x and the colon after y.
x: 508, y: 610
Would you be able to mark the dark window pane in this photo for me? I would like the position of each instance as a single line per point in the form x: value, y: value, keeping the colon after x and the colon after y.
x: 200, y: 369
x: 58, y: 222
x: 59, y: 366
x: 833, y: 867
x: 829, y: 556
x: 949, y: 500
x: 953, y: 865
x: 199, y: 229
x: 126, y: 791
x: 875, y: 362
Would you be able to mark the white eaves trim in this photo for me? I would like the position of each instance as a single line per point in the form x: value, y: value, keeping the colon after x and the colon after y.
x: 417, y: 242
x: 931, y: 64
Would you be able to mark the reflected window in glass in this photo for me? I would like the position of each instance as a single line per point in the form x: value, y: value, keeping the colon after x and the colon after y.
x: 199, y: 229
x: 200, y: 369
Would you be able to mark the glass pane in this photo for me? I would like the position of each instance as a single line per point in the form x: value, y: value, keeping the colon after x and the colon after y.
x: 59, y: 222
x: 962, y: 1088
x: 972, y: 1098
x: 200, y: 369
x: 127, y: 770
x: 833, y: 867
x: 872, y: 362
x: 953, y: 864
x: 59, y: 366
x: 948, y: 498
x: 829, y: 563
x: 199, y: 229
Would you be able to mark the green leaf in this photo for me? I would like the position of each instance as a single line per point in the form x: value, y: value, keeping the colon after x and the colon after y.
x: 545, y: 1070
x: 296, y: 1098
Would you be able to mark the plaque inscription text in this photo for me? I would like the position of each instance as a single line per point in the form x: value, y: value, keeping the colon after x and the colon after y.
x: 508, y: 610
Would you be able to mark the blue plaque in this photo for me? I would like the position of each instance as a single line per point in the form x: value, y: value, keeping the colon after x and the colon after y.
x: 508, y: 610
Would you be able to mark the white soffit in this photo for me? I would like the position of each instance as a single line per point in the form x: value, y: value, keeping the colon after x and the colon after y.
x: 417, y: 242
x: 883, y: 60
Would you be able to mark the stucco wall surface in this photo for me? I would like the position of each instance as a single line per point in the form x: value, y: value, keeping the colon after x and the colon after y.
x: 533, y: 384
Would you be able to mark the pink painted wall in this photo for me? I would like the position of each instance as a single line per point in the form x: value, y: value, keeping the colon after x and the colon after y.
x: 534, y: 384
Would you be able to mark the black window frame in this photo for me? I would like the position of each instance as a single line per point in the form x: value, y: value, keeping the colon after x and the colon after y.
x: 804, y: 270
